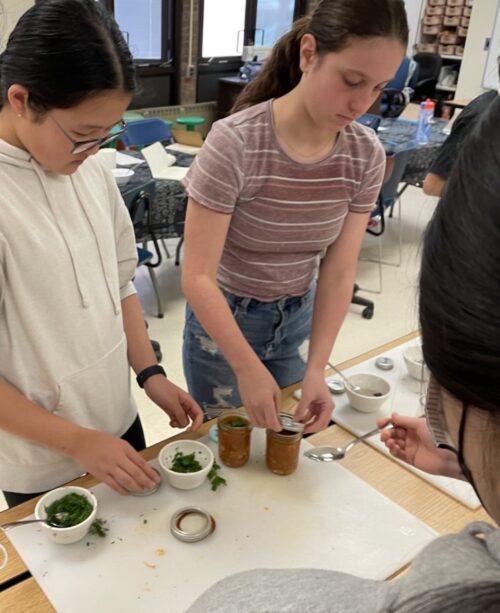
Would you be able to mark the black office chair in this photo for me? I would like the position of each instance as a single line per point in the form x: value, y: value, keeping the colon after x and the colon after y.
x: 395, y: 96
x: 429, y: 67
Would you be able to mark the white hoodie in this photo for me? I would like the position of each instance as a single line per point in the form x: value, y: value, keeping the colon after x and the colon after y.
x: 67, y: 258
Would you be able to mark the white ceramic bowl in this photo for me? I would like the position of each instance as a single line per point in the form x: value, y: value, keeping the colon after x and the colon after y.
x: 414, y: 360
x: 364, y: 400
x: 65, y: 536
x: 122, y: 175
x: 186, y: 481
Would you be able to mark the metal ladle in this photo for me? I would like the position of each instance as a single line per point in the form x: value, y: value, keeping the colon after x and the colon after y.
x: 354, y: 388
x: 330, y: 454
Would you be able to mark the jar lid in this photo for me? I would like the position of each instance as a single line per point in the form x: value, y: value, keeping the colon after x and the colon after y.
x: 288, y: 422
x: 384, y: 363
x: 154, y: 489
x: 191, y: 524
x: 335, y: 385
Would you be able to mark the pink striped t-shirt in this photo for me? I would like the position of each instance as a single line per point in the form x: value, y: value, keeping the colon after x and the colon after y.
x: 284, y: 213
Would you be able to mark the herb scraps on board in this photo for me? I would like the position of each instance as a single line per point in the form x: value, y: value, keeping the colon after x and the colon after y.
x: 99, y: 527
x: 185, y: 463
x: 68, y: 511
x: 215, y: 479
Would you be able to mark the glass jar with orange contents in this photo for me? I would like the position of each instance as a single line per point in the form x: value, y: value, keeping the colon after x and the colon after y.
x: 282, y: 448
x: 234, y: 431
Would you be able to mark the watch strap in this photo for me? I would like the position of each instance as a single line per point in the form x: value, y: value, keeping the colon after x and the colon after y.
x: 144, y: 375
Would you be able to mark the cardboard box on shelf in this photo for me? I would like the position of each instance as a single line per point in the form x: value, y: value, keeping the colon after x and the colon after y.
x: 459, y: 50
x: 447, y: 49
x: 427, y: 48
x: 464, y: 22
x: 454, y: 2
x: 448, y: 38
x: 462, y: 32
x: 451, y: 21
x: 436, y: 2
x: 453, y: 11
x: 466, y: 11
x: 435, y: 20
x: 434, y: 10
x: 431, y: 30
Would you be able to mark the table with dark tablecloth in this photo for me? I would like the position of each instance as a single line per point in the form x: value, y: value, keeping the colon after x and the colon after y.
x: 398, y: 134
x: 168, y: 210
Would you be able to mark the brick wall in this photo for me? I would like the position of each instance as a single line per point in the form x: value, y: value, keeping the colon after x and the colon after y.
x: 187, y: 86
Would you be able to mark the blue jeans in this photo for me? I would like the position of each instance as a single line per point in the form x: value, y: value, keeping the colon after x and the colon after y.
x: 278, y: 333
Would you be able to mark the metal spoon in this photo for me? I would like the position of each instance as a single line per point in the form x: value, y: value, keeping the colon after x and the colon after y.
x: 13, y: 524
x: 330, y: 454
x: 355, y: 388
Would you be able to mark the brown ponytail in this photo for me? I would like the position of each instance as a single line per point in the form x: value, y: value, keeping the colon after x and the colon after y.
x: 332, y: 23
x: 281, y: 71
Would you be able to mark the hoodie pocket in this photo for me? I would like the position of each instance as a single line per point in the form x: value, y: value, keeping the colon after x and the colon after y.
x: 99, y: 396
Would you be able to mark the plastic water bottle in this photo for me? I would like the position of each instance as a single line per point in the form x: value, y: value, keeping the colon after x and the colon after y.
x: 424, y: 121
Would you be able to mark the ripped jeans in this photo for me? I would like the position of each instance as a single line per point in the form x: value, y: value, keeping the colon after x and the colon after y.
x: 278, y: 332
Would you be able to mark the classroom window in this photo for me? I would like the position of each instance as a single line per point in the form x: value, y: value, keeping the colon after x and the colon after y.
x: 274, y: 18
x: 222, y: 41
x: 148, y: 28
x: 245, y: 22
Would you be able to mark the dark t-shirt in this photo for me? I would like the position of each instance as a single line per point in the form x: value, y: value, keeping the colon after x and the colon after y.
x: 462, y: 127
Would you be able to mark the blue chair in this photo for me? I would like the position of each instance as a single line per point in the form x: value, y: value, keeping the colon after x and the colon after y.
x: 138, y: 203
x: 396, y: 95
x: 147, y: 131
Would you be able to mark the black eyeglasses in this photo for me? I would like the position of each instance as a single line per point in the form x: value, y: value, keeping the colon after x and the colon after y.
x: 80, y: 146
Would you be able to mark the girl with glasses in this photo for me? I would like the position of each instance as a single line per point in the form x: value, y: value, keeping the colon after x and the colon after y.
x: 460, y: 321
x: 288, y: 177
x: 71, y: 324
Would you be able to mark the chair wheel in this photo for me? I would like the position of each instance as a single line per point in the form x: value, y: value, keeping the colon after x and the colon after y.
x: 367, y: 313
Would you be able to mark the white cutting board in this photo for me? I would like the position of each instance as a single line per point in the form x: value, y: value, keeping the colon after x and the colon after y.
x: 322, y: 516
x: 405, y: 399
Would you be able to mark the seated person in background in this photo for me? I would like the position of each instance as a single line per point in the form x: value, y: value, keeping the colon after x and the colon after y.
x: 461, y: 344
x: 440, y: 169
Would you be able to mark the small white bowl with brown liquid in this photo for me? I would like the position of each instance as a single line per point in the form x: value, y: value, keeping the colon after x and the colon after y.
x: 372, y: 393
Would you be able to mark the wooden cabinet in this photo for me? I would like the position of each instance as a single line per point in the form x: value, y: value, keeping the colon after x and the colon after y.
x: 228, y: 90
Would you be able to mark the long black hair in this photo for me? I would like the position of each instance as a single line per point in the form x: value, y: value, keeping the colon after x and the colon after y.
x: 333, y: 23
x: 460, y: 275
x: 64, y: 51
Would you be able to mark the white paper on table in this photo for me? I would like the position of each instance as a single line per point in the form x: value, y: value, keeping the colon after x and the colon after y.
x: 122, y: 159
x: 189, y: 149
x: 160, y: 163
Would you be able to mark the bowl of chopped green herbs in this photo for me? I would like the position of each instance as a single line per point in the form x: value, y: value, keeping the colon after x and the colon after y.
x: 185, y: 463
x: 71, y: 511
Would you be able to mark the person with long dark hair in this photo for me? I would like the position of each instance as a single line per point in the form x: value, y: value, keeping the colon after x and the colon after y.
x: 460, y: 321
x: 288, y: 176
x: 71, y: 325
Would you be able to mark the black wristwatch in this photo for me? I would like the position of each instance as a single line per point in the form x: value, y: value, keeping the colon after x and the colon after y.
x: 144, y: 375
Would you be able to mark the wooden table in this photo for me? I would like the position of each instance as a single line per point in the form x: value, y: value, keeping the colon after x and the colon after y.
x: 459, y: 104
x: 20, y: 592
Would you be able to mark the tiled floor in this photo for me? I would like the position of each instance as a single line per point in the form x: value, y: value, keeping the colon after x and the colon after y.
x: 395, y: 307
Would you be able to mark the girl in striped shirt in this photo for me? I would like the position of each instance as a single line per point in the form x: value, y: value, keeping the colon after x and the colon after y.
x: 287, y: 177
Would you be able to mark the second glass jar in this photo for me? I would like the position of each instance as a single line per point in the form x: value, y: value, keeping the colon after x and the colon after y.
x: 282, y: 451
